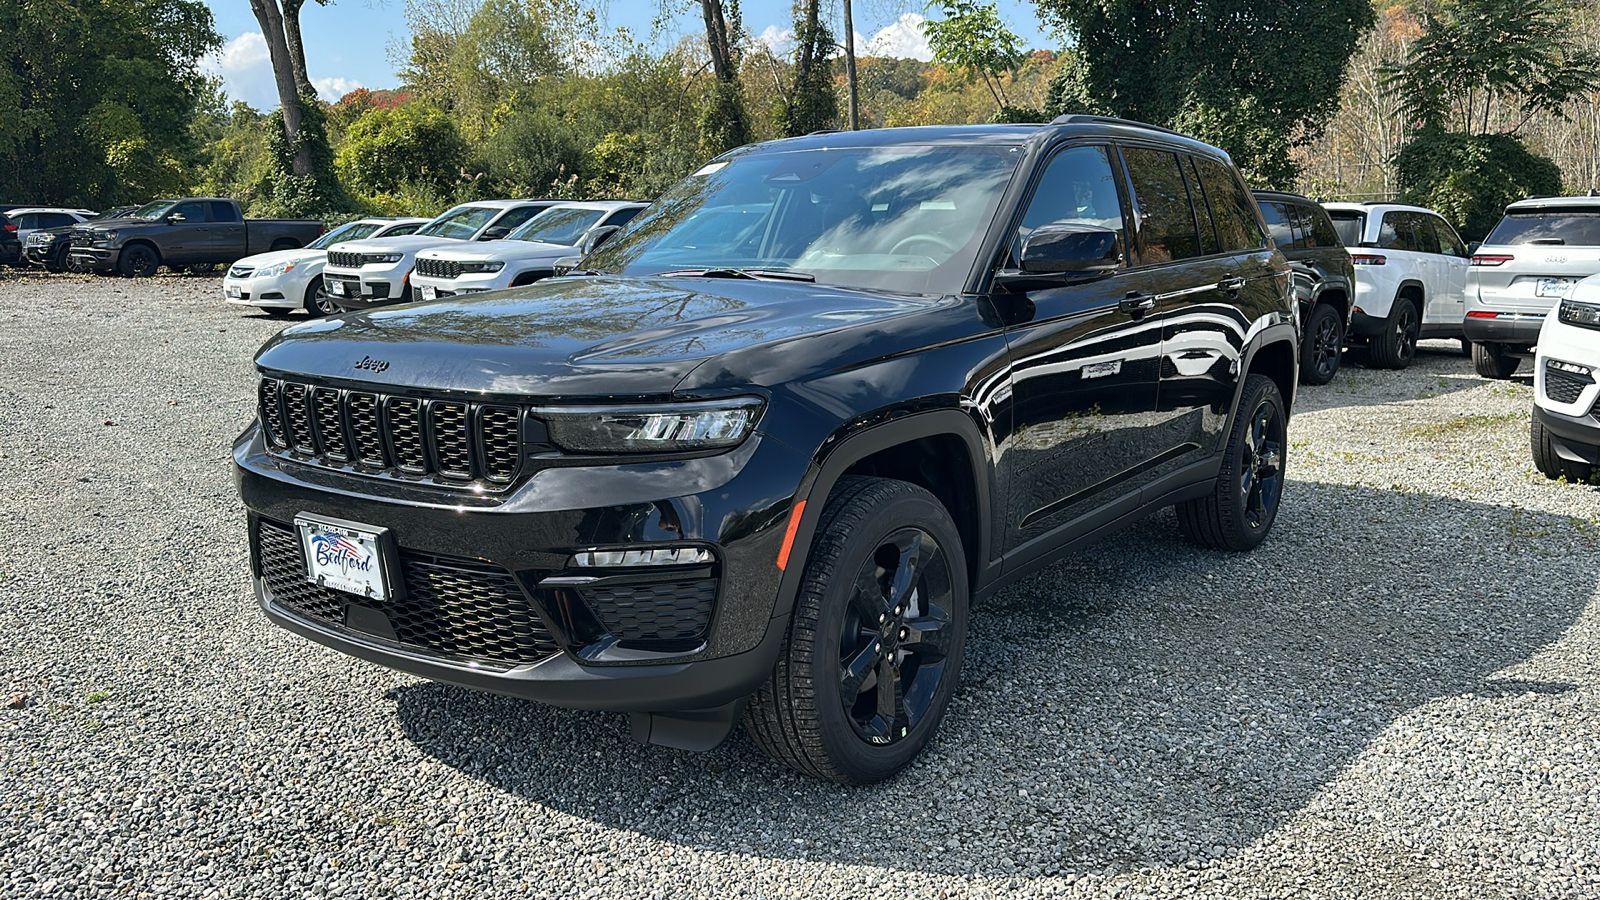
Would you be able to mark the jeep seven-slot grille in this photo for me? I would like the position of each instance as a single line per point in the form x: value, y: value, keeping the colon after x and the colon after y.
x: 450, y: 607
x: 344, y: 259
x: 452, y: 441
x: 438, y: 268
x: 1564, y: 387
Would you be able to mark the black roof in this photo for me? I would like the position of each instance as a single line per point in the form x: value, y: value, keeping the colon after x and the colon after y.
x: 1265, y: 194
x: 991, y: 135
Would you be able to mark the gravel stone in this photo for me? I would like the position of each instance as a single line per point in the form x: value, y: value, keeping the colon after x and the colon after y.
x: 1398, y: 695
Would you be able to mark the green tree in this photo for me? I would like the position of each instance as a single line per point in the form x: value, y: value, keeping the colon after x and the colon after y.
x: 388, y: 149
x: 1469, y: 178
x: 811, y: 103
x: 722, y: 121
x: 1154, y: 60
x: 971, y: 36
x: 1479, y: 56
x: 97, y: 97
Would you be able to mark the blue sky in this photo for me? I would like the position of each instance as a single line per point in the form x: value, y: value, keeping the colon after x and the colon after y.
x: 348, y: 42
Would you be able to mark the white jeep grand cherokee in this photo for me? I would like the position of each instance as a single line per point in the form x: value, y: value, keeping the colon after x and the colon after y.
x: 1531, y: 260
x: 1411, y: 277
x: 1565, y: 432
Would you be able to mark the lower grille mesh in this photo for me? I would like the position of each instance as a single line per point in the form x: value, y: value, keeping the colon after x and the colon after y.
x: 1564, y: 387
x: 454, y: 608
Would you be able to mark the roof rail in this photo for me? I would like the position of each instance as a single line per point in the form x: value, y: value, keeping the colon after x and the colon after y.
x: 1086, y: 119
x: 823, y: 131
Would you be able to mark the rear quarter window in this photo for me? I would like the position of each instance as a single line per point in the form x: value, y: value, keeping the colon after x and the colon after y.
x: 1580, y: 227
x: 1232, y: 207
x: 1349, y: 226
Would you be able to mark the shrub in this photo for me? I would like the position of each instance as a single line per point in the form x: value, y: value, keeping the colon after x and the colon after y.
x: 385, y: 149
x: 1469, y: 179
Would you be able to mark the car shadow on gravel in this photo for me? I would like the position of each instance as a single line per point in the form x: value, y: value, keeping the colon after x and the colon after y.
x: 1143, y: 703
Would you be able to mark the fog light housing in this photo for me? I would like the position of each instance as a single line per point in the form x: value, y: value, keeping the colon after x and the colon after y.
x: 645, y: 556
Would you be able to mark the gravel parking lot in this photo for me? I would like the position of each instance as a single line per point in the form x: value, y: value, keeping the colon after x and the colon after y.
x: 1398, y: 695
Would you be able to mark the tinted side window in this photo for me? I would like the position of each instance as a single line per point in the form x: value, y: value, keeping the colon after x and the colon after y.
x: 223, y: 212
x: 1277, y: 216
x: 1232, y: 207
x: 1449, y: 242
x: 1427, y: 241
x: 1166, y: 220
x: 517, y: 216
x: 1323, y: 234
x: 1077, y: 188
x: 192, y: 212
x: 53, y: 220
x: 1395, y: 232
x: 27, y: 220
x: 403, y: 229
x: 623, y: 216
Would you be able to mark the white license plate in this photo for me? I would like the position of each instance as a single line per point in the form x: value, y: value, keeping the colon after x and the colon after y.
x: 343, y: 557
x: 232, y: 292
x: 336, y: 287
x: 429, y: 292
x: 1555, y: 287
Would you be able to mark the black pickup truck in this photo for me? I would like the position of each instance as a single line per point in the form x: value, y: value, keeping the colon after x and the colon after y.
x: 192, y: 232
x: 756, y: 455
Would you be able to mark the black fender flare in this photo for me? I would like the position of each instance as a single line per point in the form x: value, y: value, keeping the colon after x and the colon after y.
x: 1281, y: 333
x: 837, y: 455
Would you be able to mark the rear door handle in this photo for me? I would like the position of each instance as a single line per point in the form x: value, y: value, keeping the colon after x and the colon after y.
x: 1136, y: 304
x: 1231, y: 285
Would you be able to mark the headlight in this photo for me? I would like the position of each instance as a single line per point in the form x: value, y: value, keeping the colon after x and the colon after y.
x: 652, y: 428
x: 382, y: 258
x: 105, y: 237
x: 273, y: 271
x: 1583, y: 315
x: 491, y: 266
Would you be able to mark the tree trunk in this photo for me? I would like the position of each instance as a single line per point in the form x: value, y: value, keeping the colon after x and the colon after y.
x: 297, y: 51
x: 717, y: 39
x: 271, y: 20
x: 850, y: 69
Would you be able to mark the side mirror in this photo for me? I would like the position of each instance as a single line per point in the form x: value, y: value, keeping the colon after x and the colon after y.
x: 1070, y: 249
x: 175, y: 218
x: 596, y: 237
x: 494, y: 234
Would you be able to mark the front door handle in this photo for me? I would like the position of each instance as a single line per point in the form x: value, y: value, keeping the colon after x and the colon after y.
x: 1231, y: 285
x: 1136, y: 304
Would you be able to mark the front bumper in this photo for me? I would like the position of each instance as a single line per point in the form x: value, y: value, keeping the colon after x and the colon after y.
x: 368, y: 287
x: 277, y: 292
x: 727, y: 504
x: 466, y: 283
x: 1511, y: 328
x: 1576, y: 438
x: 94, y: 259
x: 38, y: 253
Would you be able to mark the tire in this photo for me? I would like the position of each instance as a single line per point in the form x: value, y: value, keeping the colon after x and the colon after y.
x: 1466, y: 347
x: 1397, y: 345
x: 838, y: 706
x: 317, y: 302
x: 1492, y: 361
x: 57, y: 261
x: 1549, y: 462
x: 138, y: 261
x: 1321, y: 346
x: 1239, y: 512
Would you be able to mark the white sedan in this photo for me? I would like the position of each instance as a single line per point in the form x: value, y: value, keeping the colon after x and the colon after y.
x: 286, y: 280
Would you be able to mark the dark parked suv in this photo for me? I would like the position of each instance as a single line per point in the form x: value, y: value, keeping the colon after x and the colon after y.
x: 1321, y: 274
x: 760, y: 453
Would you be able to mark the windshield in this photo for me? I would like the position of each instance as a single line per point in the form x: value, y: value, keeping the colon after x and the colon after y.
x: 353, y: 231
x: 461, y: 223
x: 1349, y: 225
x: 900, y: 218
x: 115, y: 213
x: 558, y: 225
x: 153, y: 210
x: 1577, y: 227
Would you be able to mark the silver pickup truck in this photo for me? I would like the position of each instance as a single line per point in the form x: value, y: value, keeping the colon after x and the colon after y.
x: 191, y: 232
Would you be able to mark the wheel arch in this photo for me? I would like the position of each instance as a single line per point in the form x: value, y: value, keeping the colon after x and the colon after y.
x: 530, y: 276
x: 1276, y: 357
x: 941, y: 451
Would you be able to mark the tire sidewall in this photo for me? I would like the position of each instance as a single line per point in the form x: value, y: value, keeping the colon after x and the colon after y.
x: 1245, y: 537
x: 130, y: 254
x: 1308, y: 356
x: 860, y: 761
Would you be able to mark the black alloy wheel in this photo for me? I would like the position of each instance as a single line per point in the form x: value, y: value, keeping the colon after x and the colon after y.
x: 318, y: 303
x: 139, y: 261
x: 1239, y: 512
x: 1397, y: 345
x: 873, y: 652
x: 1324, y: 342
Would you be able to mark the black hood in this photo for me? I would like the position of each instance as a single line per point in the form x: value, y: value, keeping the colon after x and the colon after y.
x: 597, y: 336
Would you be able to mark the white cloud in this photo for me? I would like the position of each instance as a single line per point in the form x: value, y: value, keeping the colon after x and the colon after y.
x: 779, y: 41
x: 331, y: 89
x: 902, y: 40
x: 245, y: 67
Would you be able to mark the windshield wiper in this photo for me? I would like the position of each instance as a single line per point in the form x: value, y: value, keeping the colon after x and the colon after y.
x: 753, y: 274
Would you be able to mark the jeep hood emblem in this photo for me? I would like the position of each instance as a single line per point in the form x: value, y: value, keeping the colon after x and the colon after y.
x: 372, y: 365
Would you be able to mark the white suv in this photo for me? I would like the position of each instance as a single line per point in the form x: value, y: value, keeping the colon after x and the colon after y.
x: 283, y: 281
x: 526, y: 255
x: 1531, y: 260
x: 25, y: 220
x: 1411, y: 277
x: 377, y: 271
x: 1565, y: 432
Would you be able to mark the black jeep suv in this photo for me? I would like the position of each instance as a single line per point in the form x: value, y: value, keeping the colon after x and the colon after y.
x: 760, y: 453
x: 1322, y: 278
